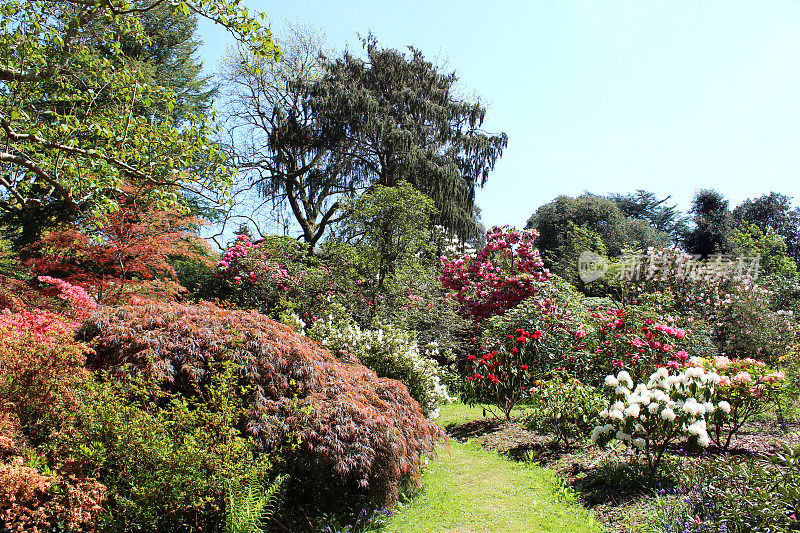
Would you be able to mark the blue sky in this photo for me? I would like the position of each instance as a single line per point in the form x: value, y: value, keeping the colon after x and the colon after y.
x: 603, y: 95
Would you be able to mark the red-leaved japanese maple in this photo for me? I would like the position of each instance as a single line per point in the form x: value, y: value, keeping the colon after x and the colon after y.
x: 357, y: 432
x: 126, y: 254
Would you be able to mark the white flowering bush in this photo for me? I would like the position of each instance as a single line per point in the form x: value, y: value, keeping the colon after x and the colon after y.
x: 390, y: 352
x: 747, y: 388
x: 649, y: 416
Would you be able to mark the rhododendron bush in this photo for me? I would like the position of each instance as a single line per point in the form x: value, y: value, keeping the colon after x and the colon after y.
x: 275, y: 275
x: 495, y: 279
x: 635, y: 338
x: 648, y: 416
x: 747, y: 387
x: 745, y: 318
x: 708, y: 399
x: 357, y: 432
x: 528, y: 343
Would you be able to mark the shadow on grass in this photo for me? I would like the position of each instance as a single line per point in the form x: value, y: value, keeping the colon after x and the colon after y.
x: 474, y: 429
x: 616, y: 482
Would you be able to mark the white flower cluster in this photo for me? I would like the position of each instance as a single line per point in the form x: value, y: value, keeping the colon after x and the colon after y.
x: 389, y: 352
x: 652, y: 412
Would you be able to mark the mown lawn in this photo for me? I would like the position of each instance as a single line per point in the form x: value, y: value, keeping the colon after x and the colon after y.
x: 469, y: 489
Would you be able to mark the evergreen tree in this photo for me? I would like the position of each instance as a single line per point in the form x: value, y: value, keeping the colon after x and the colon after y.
x: 401, y: 119
x: 645, y: 205
x: 712, y: 225
x: 167, y: 55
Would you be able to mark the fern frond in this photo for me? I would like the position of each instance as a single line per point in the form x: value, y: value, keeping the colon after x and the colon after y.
x: 250, y: 505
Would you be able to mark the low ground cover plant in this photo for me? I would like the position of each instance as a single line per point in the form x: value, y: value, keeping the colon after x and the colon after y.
x: 564, y: 407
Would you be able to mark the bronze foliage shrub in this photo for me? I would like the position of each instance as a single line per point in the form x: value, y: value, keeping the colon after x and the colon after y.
x: 348, y: 431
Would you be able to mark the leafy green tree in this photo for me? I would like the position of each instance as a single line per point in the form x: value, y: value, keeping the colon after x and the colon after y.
x: 597, y: 213
x: 748, y: 240
x: 773, y: 211
x: 78, y: 118
x: 391, y: 226
x: 712, y: 225
x: 578, y: 239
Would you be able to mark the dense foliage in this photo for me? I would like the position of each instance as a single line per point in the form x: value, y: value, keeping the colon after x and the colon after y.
x: 41, y: 485
x: 355, y: 431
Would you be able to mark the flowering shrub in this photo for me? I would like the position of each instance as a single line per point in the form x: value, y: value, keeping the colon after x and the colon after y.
x: 498, y: 277
x: 650, y: 415
x: 743, y: 314
x: 635, y: 338
x: 274, y: 275
x: 40, y: 365
x: 78, y: 299
x: 526, y: 344
x: 38, y: 502
x: 357, y: 432
x: 746, y: 388
x: 564, y: 407
x: 390, y: 352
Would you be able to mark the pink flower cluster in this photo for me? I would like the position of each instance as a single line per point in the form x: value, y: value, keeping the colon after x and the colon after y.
x: 77, y: 297
x: 39, y: 324
x: 240, y: 249
x: 633, y: 341
x: 500, y: 276
x: 669, y: 330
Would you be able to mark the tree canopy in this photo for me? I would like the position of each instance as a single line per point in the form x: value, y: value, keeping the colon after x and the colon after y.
x: 403, y: 121
x: 79, y: 117
x: 599, y: 214
x: 773, y: 211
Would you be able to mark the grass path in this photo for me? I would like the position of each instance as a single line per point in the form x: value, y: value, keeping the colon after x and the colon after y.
x: 469, y: 489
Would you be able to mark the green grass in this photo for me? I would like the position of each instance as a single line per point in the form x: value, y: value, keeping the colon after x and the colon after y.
x: 459, y: 413
x: 469, y: 489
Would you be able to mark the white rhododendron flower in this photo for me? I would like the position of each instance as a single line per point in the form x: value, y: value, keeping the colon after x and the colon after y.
x: 632, y: 410
x: 624, y: 377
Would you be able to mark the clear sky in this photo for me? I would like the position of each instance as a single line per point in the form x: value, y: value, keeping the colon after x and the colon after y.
x: 601, y: 95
